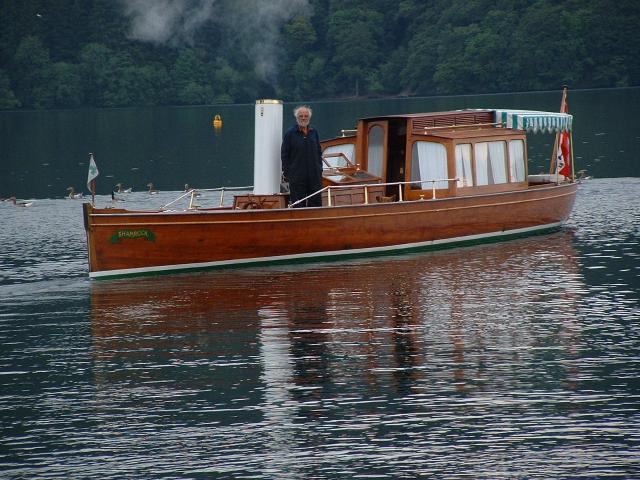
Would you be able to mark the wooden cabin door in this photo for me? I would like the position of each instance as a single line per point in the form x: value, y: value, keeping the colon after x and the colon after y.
x: 385, y: 147
x: 396, y: 154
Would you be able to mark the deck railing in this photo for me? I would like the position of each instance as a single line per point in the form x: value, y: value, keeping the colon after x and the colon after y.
x: 366, y: 186
x: 194, y: 193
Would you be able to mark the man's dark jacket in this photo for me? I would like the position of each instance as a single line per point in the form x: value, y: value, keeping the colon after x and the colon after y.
x: 301, y: 156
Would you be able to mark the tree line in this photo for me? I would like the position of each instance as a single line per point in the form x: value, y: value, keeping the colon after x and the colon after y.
x: 82, y: 53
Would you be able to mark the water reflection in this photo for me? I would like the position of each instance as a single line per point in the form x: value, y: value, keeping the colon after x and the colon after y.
x: 335, y: 370
x: 458, y: 319
x: 343, y: 357
x: 379, y: 316
x: 493, y: 361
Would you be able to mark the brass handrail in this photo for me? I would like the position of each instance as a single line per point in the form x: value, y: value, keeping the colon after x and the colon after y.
x: 347, y: 130
x: 367, y: 185
x: 467, y: 125
x: 194, y: 193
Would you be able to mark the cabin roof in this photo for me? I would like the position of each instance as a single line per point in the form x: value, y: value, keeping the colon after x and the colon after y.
x: 529, y: 120
x: 449, y: 113
x: 473, y: 133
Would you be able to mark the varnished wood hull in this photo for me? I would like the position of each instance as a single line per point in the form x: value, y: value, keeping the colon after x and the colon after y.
x: 124, y: 243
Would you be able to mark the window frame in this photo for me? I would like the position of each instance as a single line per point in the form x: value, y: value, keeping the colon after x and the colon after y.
x: 489, y: 151
x: 444, y: 161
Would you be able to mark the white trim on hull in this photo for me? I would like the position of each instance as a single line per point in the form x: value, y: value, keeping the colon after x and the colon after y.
x: 126, y: 272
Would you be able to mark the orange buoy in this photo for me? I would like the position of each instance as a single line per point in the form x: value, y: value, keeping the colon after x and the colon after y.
x: 217, y: 122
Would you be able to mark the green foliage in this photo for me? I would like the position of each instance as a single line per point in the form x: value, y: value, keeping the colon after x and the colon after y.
x: 66, y: 85
x: 32, y: 65
x: 75, y: 53
x: 95, y: 68
x: 190, y: 78
x: 300, y: 36
x: 8, y: 99
x: 354, y: 48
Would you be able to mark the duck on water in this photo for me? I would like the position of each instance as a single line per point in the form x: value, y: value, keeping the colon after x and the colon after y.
x: 73, y: 194
x: 20, y: 203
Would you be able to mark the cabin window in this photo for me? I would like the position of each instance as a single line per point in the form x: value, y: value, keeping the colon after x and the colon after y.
x: 429, y: 163
x: 463, y: 165
x: 337, y: 155
x: 516, y: 160
x: 375, y: 155
x: 491, y: 165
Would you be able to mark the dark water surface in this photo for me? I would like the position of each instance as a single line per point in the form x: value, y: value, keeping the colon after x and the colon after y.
x: 44, y: 152
x: 511, y: 360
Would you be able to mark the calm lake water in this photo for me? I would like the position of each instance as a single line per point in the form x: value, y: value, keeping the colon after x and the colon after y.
x: 43, y: 153
x: 512, y: 360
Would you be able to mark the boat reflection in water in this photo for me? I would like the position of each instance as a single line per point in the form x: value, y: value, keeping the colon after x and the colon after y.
x: 374, y: 348
x: 350, y: 322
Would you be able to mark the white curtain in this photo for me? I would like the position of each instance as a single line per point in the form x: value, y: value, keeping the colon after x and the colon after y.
x: 347, y: 149
x: 497, y: 160
x: 482, y: 157
x: 516, y: 160
x: 463, y: 165
x: 432, y: 163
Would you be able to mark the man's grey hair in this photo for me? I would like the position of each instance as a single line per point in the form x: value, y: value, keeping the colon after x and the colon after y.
x: 300, y: 107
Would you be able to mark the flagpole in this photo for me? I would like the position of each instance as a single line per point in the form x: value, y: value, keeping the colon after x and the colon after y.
x: 554, y: 154
x: 573, y: 165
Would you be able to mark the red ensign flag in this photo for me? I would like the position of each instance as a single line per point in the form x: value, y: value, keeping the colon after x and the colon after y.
x: 563, y: 160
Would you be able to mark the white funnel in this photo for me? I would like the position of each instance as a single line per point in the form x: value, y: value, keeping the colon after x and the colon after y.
x: 267, y: 168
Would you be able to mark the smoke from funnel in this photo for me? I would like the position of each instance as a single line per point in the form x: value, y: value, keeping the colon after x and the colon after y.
x: 167, y: 21
x: 255, y: 23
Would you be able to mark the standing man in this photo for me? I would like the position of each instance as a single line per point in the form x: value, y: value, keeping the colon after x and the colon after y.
x: 301, y: 157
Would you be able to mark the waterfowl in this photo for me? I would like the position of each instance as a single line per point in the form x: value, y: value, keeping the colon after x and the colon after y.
x: 20, y: 203
x: 73, y: 194
x: 582, y: 175
x: 121, y: 189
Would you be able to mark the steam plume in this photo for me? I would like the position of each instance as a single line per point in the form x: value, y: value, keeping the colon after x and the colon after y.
x: 167, y: 21
x: 256, y: 24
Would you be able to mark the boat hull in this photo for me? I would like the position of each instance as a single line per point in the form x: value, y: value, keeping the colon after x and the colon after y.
x: 122, y: 243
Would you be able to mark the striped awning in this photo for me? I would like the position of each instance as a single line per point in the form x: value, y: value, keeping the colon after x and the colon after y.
x: 533, y: 121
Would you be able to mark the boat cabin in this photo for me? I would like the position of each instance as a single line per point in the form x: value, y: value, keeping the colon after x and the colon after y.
x: 428, y: 156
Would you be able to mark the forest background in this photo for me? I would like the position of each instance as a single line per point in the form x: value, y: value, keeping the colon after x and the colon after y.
x: 117, y: 53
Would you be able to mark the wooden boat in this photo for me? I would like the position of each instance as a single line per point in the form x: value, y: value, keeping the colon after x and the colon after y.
x: 397, y: 183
